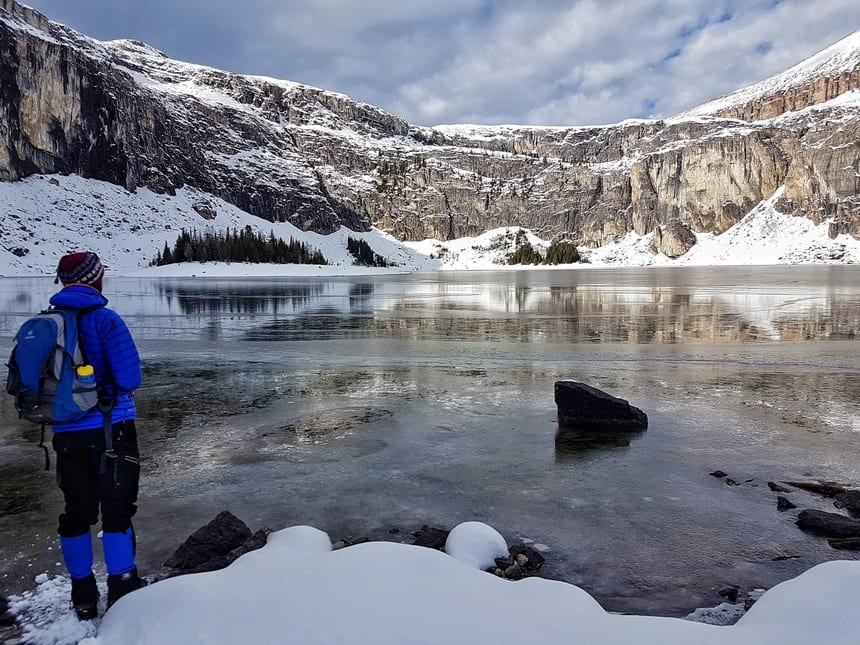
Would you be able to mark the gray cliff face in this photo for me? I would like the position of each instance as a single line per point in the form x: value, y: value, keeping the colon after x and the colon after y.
x: 807, y: 94
x: 823, y: 177
x: 66, y: 106
x: 125, y: 113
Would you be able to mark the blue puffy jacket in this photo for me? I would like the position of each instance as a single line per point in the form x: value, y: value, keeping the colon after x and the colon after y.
x: 109, y: 348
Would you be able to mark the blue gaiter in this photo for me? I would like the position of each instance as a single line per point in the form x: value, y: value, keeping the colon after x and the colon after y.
x: 119, y: 551
x: 78, y: 555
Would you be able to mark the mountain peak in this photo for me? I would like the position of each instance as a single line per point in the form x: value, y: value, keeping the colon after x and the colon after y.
x: 135, y: 47
x: 826, y: 75
x: 25, y: 13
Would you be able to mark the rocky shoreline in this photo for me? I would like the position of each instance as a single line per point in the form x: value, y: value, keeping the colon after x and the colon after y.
x: 842, y: 531
x: 225, y: 538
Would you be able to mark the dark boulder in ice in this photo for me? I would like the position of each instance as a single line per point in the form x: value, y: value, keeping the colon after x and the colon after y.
x: 212, y: 542
x: 7, y: 618
x: 585, y: 408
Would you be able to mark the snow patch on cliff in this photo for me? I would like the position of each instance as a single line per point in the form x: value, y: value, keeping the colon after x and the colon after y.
x: 17, y: 23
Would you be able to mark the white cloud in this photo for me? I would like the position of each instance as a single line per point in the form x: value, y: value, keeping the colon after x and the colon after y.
x: 597, y: 63
x: 490, y: 61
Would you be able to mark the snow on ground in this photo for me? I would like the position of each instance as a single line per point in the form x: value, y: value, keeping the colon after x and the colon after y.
x: 48, y: 216
x: 763, y: 236
x: 476, y: 544
x: 53, y: 215
x: 297, y: 590
x: 484, y: 252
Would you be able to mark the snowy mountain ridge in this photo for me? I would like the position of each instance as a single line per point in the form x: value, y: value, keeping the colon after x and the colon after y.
x: 124, y: 113
x: 833, y: 69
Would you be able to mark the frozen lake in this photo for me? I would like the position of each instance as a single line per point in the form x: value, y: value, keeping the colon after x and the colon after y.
x: 370, y: 406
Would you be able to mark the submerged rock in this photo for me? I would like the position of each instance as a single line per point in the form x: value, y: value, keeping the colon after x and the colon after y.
x: 575, y: 441
x: 850, y: 501
x: 828, y: 524
x: 784, y: 504
x: 845, y: 544
x: 822, y: 488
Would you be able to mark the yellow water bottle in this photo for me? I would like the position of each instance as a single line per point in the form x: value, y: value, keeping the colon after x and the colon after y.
x: 86, y: 375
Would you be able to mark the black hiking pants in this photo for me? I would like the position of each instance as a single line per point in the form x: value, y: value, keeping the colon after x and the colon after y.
x: 90, y: 481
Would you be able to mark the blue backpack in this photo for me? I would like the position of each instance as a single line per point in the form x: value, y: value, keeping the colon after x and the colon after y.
x: 43, y: 373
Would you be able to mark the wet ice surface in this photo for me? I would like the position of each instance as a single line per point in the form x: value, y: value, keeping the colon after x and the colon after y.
x: 365, y: 405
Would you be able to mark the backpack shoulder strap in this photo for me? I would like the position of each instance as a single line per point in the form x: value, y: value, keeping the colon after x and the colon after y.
x: 71, y: 331
x: 106, y: 403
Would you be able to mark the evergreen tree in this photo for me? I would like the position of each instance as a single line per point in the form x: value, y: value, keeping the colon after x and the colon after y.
x: 525, y: 254
x: 364, y: 255
x: 234, y: 245
x: 562, y: 253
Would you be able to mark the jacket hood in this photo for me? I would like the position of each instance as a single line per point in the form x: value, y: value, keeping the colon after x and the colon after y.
x: 78, y: 296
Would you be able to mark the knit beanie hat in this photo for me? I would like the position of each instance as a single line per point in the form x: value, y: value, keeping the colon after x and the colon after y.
x: 81, y: 268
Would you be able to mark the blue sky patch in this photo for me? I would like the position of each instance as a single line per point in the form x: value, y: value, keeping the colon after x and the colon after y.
x: 672, y: 54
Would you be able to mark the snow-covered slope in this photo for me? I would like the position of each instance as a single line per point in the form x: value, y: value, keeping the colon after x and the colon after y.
x: 53, y: 215
x: 763, y: 236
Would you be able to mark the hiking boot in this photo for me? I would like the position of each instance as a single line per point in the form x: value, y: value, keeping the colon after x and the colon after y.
x: 121, y: 584
x: 85, y: 597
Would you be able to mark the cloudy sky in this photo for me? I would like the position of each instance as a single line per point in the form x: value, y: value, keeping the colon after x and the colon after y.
x: 550, y: 62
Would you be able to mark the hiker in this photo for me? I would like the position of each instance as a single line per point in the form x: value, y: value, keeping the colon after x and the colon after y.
x: 91, y: 476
